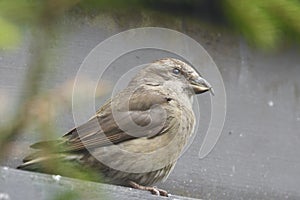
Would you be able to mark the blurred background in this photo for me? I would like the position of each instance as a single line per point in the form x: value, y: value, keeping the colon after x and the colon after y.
x: 255, y: 44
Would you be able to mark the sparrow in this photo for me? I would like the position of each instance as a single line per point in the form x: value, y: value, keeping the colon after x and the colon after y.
x: 137, y: 136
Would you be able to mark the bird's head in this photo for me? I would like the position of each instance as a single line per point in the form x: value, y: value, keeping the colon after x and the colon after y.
x: 172, y: 71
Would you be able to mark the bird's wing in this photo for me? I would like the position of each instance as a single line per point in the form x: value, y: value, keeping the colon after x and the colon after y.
x: 139, y: 115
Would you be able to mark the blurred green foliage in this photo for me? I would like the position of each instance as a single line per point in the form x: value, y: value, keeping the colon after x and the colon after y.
x: 264, y: 23
x: 9, y: 33
x: 39, y: 17
x: 67, y: 195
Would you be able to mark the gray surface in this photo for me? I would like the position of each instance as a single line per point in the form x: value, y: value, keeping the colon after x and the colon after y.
x: 31, y: 185
x: 258, y: 154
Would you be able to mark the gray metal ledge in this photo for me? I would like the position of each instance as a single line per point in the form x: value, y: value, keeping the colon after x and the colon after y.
x: 17, y: 184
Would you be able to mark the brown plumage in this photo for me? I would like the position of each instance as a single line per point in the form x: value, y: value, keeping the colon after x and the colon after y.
x: 136, y: 137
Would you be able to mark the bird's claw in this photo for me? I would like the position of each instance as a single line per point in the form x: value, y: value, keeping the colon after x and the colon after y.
x: 154, y: 190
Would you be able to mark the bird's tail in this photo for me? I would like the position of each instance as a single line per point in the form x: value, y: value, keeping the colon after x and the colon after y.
x: 48, y: 153
x: 69, y: 164
x: 49, y: 163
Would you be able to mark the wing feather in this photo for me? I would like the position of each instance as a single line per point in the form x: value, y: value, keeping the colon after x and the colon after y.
x: 136, y: 115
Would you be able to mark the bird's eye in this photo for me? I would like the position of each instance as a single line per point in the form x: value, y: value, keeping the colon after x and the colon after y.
x: 176, y: 71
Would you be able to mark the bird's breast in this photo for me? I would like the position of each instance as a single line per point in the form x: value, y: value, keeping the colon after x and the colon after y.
x: 163, y: 149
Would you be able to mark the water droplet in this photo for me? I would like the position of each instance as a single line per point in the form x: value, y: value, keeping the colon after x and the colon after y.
x: 4, y: 196
x: 56, y: 177
x: 271, y: 103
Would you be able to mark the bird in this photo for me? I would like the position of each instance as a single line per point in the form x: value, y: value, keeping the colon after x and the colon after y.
x: 137, y: 136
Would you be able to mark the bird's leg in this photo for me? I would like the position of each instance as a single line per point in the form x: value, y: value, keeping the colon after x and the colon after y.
x: 154, y: 190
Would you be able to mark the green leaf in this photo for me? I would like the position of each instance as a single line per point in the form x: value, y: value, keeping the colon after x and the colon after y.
x: 9, y: 34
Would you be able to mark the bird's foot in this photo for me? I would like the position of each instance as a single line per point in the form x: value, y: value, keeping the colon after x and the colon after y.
x: 154, y: 190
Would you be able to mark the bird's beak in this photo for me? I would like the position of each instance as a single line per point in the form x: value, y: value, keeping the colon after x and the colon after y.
x: 200, y: 85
